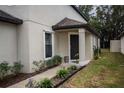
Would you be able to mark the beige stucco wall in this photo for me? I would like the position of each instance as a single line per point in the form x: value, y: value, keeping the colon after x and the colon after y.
x: 23, y: 45
x: 115, y: 46
x: 53, y: 13
x: 61, y: 45
x: 122, y: 45
x: 8, y: 42
x: 89, y: 46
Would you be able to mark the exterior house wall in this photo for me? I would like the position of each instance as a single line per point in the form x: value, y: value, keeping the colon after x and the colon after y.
x: 37, y: 21
x: 8, y: 42
x: 122, y: 45
x: 49, y: 15
x: 23, y: 45
x: 62, y: 44
x: 115, y: 46
x: 89, y: 46
x: 41, y: 18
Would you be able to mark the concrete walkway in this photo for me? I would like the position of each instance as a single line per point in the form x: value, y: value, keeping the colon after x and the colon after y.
x: 47, y: 74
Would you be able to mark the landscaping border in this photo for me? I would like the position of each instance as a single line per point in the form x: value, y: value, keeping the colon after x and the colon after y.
x: 22, y: 76
x: 61, y: 82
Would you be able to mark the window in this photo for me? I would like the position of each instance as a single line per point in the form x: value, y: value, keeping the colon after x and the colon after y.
x: 48, y: 45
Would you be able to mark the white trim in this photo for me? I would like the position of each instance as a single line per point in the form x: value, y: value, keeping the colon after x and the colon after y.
x: 70, y: 33
x: 52, y: 35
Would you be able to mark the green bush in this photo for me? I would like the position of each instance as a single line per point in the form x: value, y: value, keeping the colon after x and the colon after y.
x: 49, y: 63
x: 39, y: 65
x: 16, y: 68
x: 45, y: 83
x: 63, y: 73
x: 72, y: 68
x: 57, y: 59
x: 4, y: 69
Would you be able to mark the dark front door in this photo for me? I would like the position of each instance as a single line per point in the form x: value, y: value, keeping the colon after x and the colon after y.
x: 74, y: 47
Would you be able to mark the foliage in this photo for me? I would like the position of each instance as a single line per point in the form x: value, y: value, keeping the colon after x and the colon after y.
x: 106, y: 72
x: 16, y: 68
x: 45, y: 83
x: 4, y: 69
x: 72, y: 68
x: 62, y: 73
x: 57, y: 59
x: 49, y: 63
x: 86, y: 9
x: 31, y: 84
x: 108, y: 20
x: 39, y: 65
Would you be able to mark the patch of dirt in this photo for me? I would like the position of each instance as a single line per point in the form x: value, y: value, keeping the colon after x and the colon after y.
x: 11, y: 79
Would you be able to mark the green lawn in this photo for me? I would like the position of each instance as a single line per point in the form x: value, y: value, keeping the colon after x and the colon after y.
x: 107, y: 71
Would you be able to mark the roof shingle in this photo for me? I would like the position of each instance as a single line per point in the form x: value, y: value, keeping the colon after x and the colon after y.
x: 5, y: 17
x: 68, y: 23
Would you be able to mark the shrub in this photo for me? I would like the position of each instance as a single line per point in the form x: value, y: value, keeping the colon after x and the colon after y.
x: 45, y: 83
x: 63, y: 73
x: 57, y: 59
x: 4, y: 69
x: 39, y: 65
x: 71, y: 68
x: 49, y: 63
x: 16, y: 68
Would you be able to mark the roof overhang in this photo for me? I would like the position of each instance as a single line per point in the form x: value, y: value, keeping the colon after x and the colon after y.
x: 5, y: 17
x: 67, y: 23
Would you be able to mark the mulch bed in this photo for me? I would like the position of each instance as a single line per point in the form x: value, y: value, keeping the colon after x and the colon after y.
x: 11, y: 79
x: 58, y: 82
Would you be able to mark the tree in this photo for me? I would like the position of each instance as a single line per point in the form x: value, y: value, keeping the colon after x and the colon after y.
x: 108, y: 20
x: 87, y: 10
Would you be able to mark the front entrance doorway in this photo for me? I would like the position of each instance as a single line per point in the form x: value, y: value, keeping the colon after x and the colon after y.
x: 74, y: 47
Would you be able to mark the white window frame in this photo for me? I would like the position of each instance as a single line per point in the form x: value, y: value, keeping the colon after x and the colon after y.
x: 52, y: 36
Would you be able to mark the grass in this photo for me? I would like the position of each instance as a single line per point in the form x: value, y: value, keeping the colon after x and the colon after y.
x: 106, y: 72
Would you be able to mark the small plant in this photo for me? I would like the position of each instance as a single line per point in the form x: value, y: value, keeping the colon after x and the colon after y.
x: 63, y: 73
x: 16, y: 68
x: 39, y: 65
x: 45, y: 83
x: 49, y: 63
x: 57, y: 59
x: 72, y: 68
x: 4, y: 69
x: 31, y: 84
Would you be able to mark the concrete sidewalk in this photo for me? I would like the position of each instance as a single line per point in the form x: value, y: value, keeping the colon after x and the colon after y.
x: 47, y: 74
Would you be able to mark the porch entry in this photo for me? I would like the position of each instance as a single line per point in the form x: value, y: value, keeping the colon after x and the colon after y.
x: 74, y: 47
